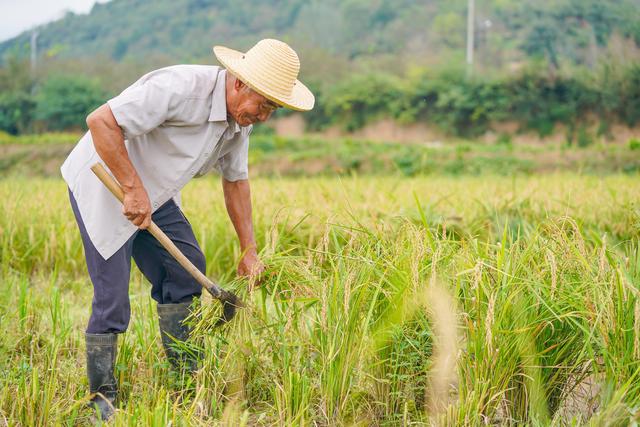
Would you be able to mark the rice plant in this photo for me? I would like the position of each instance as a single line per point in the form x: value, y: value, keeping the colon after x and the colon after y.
x: 388, y: 301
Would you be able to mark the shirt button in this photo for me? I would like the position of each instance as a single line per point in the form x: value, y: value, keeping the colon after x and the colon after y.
x: 155, y: 205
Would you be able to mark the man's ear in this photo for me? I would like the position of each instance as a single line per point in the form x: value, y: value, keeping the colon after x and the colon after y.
x: 238, y: 84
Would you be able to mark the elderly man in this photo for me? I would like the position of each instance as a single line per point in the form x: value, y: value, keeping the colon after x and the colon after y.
x: 173, y: 124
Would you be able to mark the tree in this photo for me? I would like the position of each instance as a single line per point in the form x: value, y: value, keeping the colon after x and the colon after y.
x: 64, y: 101
x: 16, y: 102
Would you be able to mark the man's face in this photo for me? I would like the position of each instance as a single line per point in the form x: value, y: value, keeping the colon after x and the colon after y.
x: 251, y: 107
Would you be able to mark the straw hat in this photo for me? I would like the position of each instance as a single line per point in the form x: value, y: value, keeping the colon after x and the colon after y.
x: 270, y: 68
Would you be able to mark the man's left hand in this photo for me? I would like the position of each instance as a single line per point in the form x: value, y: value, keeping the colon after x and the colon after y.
x: 251, y: 267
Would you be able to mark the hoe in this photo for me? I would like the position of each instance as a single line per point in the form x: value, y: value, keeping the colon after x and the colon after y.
x: 230, y: 302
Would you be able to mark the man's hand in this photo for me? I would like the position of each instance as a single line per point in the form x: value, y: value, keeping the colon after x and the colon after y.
x: 137, y: 207
x: 251, y: 267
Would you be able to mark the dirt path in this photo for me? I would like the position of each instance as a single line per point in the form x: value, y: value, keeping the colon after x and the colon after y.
x: 388, y: 130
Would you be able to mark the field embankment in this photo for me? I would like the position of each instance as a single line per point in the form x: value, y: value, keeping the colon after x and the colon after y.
x: 271, y: 155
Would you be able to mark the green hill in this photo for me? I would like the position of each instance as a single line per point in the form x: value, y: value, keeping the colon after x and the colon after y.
x: 333, y: 34
x: 536, y: 63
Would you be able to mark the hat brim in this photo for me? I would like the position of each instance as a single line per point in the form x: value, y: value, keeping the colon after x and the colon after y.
x: 301, y: 98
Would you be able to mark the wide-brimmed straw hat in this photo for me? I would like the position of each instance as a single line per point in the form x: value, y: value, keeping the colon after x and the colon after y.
x: 270, y: 68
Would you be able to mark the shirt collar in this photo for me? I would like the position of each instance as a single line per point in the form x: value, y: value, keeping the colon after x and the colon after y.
x: 219, y: 103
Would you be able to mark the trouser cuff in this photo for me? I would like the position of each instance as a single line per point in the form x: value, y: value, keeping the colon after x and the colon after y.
x: 101, y: 339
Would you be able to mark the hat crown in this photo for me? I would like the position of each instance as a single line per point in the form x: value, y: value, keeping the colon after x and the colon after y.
x: 276, y: 62
x: 270, y: 68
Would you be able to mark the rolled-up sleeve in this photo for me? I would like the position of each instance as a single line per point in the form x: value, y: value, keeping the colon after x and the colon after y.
x: 142, y: 108
x: 234, y: 165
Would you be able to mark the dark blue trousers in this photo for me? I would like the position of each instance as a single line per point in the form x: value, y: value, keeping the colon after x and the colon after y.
x: 170, y: 283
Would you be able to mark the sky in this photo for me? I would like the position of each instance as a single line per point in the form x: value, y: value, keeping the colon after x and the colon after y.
x: 17, y: 16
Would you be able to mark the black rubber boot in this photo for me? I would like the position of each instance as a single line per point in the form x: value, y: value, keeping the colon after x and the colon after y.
x: 182, y: 355
x: 101, y: 359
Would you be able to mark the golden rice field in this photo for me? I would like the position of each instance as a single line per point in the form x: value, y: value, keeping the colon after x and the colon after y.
x: 390, y: 301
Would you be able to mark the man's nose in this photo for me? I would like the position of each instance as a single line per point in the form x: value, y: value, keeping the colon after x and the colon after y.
x: 264, y: 116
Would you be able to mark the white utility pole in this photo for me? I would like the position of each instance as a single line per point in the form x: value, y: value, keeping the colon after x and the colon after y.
x: 34, y: 51
x: 470, y: 33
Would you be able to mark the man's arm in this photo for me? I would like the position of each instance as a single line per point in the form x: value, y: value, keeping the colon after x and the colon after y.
x: 108, y: 139
x: 237, y: 198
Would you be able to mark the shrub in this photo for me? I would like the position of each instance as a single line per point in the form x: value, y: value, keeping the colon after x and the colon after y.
x: 584, y: 138
x: 504, y: 139
x: 16, y: 111
x: 63, y: 102
x: 363, y: 98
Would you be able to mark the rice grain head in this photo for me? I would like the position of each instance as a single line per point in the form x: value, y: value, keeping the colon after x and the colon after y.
x: 443, y: 313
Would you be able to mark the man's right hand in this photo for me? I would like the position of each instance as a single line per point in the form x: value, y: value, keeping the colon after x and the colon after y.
x: 137, y: 207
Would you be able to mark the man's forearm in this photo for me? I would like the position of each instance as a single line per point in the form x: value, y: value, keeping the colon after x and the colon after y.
x: 108, y: 140
x: 237, y: 198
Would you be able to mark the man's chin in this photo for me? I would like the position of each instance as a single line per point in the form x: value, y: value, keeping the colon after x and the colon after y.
x: 246, y: 122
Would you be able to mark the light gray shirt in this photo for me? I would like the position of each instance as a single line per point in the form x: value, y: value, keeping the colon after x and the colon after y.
x: 175, y: 126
